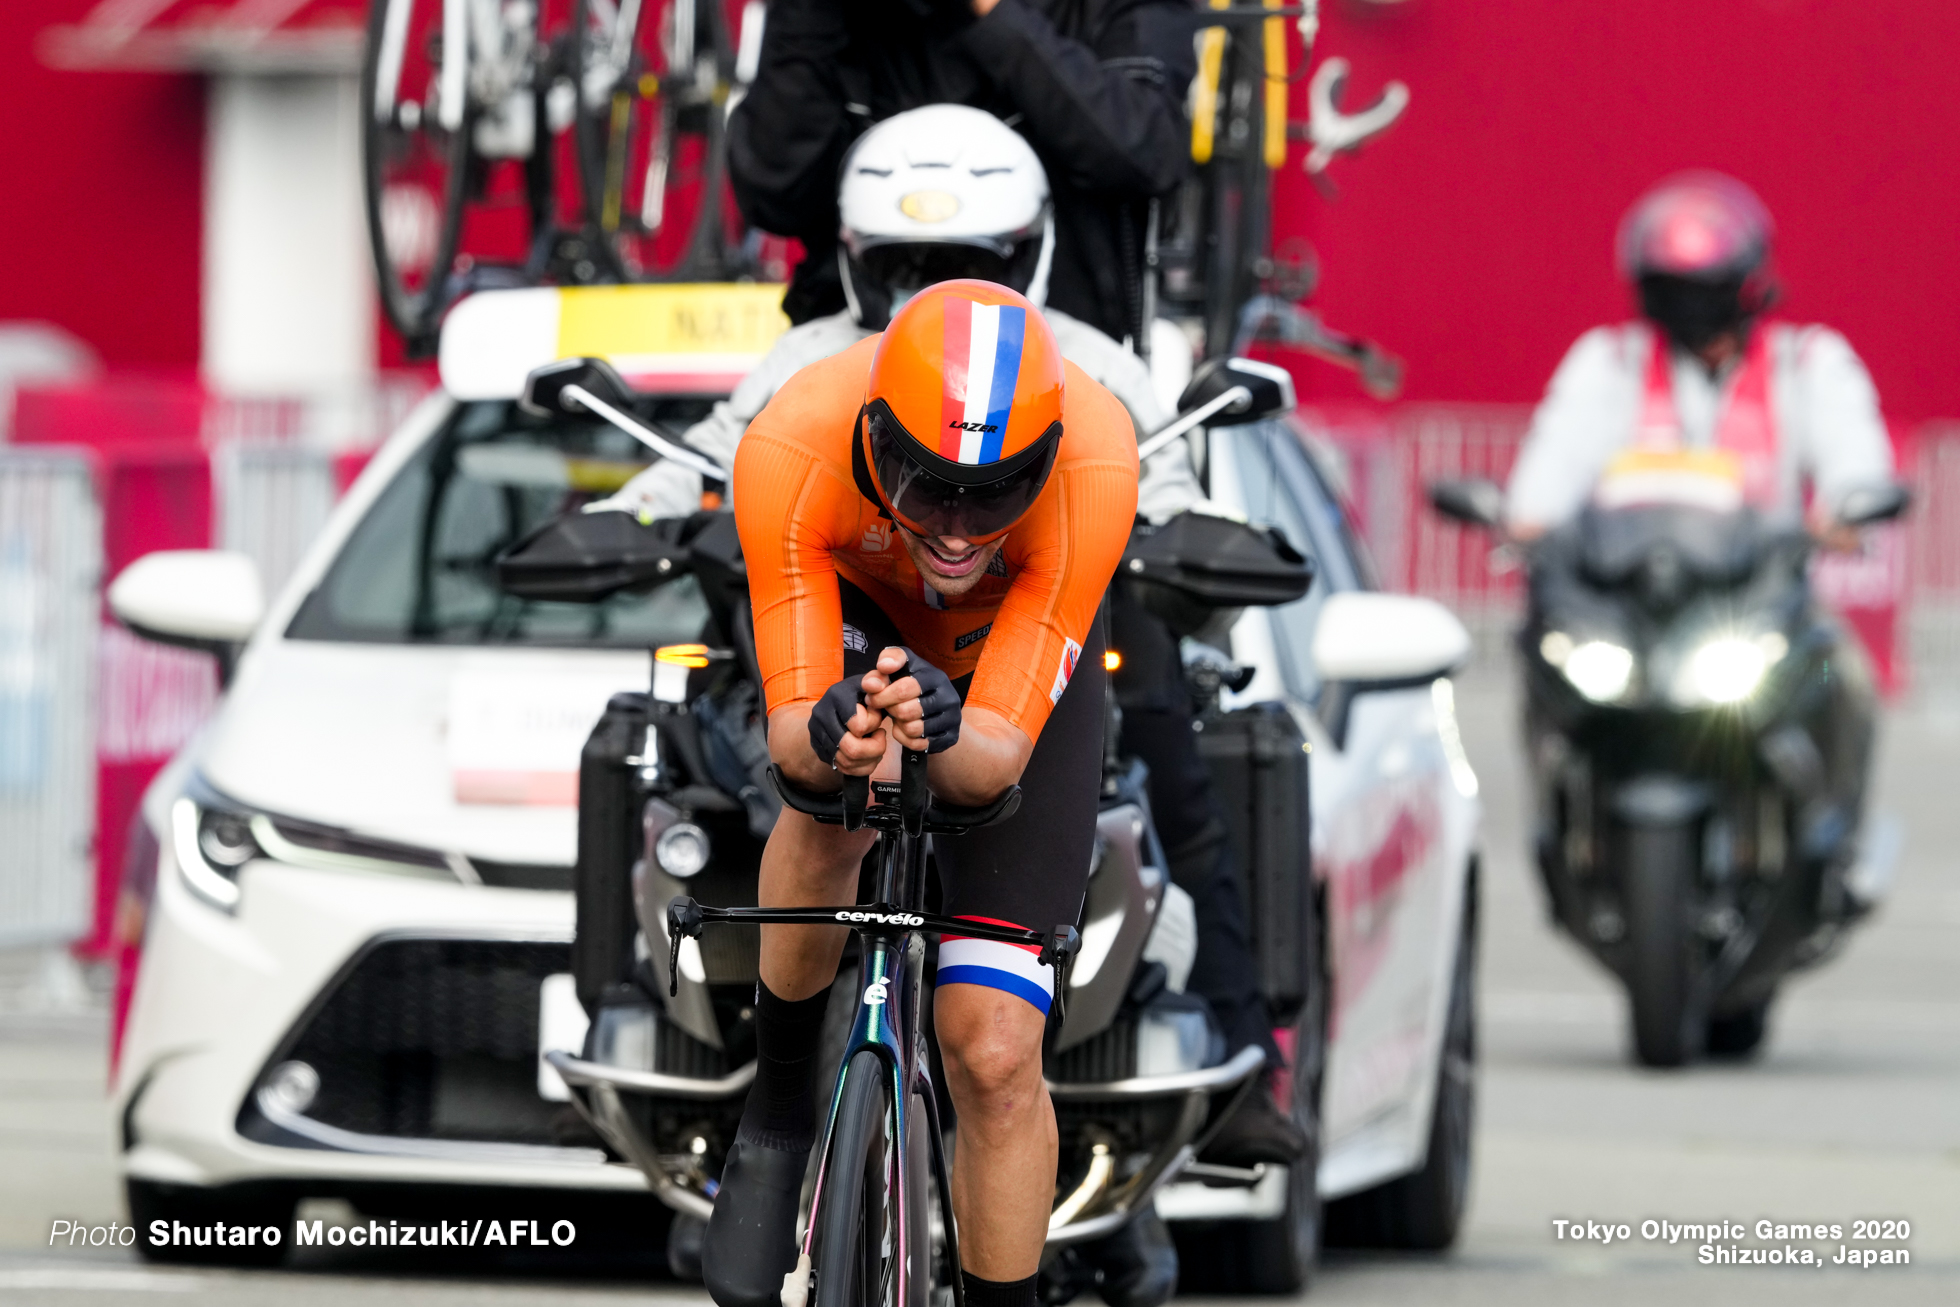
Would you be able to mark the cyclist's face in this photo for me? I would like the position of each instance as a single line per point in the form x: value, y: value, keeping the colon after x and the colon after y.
x: 950, y: 565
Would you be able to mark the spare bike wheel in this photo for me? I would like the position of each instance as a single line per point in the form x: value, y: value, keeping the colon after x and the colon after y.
x: 415, y: 131
x: 653, y: 82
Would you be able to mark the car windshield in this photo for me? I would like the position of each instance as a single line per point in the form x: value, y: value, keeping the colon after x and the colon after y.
x: 419, y: 567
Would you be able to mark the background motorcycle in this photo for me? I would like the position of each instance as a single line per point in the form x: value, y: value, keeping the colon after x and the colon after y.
x: 674, y: 799
x: 1699, y: 733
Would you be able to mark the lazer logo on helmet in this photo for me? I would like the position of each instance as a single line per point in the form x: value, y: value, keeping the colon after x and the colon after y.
x: 982, y: 346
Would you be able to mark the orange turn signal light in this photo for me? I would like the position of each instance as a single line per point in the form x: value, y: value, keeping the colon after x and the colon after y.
x: 1111, y: 660
x: 683, y: 655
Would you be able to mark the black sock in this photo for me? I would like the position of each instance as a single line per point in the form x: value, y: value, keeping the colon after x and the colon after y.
x: 997, y: 1293
x: 782, y: 1107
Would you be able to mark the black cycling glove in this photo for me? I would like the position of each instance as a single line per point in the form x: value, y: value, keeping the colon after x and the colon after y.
x: 939, y: 700
x: 828, y: 720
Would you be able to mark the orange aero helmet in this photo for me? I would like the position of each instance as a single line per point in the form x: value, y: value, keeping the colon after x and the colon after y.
x: 963, y: 413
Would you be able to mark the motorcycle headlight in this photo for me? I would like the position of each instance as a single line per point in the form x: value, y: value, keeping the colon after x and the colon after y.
x: 1729, y: 668
x: 1598, y: 669
x: 682, y: 850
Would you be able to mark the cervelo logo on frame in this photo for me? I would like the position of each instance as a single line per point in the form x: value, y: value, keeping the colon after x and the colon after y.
x: 884, y: 918
x: 981, y: 364
x: 876, y: 993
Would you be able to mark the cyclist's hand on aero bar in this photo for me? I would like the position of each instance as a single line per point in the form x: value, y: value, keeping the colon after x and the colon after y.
x: 923, y: 705
x: 844, y: 733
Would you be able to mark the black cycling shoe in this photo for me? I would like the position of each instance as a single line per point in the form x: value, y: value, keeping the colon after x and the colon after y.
x: 751, y: 1240
x: 1254, y: 1133
x: 1138, y: 1264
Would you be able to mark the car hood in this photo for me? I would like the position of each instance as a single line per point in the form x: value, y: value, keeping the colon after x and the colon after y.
x: 473, y: 751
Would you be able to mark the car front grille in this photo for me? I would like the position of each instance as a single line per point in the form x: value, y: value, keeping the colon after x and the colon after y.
x: 430, y: 1039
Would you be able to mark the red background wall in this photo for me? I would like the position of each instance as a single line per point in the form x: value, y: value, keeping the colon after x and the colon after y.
x: 1475, y: 238
x: 104, y: 175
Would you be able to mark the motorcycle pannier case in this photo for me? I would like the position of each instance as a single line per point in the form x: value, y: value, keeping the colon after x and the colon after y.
x: 1258, y: 761
x: 608, y: 841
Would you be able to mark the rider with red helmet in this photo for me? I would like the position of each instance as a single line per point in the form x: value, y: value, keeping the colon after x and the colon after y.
x: 954, y: 495
x: 1705, y: 370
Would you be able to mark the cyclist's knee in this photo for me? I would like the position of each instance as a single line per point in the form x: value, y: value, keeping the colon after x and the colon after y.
x: 991, y: 1042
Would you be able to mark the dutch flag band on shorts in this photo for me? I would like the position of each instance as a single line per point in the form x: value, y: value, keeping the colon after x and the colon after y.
x: 1010, y: 968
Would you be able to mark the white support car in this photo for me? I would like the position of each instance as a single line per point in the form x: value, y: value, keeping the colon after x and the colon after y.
x: 364, y: 862
x: 1395, y: 839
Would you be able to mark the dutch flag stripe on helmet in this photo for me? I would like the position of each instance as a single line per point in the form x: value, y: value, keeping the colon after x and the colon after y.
x: 982, y: 363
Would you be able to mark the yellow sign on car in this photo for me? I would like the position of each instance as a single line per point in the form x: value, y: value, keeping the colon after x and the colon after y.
x: 688, y: 339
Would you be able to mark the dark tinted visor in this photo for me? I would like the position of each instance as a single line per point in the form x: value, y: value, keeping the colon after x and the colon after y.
x: 1693, y: 312
x: 931, y: 505
x: 912, y: 267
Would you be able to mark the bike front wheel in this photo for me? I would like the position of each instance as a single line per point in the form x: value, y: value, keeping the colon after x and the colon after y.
x: 864, y: 1229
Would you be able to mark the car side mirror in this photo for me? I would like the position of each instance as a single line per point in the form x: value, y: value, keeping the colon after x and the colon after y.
x: 1870, y: 505
x: 544, y: 390
x: 1265, y: 391
x: 1364, y: 638
x: 210, y: 600
x: 1472, y: 501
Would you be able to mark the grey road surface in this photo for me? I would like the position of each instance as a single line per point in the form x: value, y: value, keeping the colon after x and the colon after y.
x: 1853, y: 1113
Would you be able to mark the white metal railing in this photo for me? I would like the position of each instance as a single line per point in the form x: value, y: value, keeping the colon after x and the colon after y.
x: 50, y: 574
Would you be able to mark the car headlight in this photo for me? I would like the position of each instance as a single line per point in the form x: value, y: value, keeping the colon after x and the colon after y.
x: 1729, y: 668
x: 211, y: 844
x: 1598, y: 669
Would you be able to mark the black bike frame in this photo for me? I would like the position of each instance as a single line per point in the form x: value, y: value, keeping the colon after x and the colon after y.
x: 890, y: 980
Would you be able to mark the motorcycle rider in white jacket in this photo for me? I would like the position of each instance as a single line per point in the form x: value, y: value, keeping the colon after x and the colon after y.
x: 1791, y: 405
x: 1704, y: 370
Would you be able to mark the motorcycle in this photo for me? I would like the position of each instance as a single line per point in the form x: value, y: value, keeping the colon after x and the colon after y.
x: 674, y: 799
x: 1698, y: 733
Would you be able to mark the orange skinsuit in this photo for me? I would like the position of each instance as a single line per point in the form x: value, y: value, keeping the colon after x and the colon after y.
x: 804, y: 523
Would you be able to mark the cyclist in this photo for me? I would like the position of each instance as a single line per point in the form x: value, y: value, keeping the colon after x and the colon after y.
x: 952, y: 496
x: 989, y: 216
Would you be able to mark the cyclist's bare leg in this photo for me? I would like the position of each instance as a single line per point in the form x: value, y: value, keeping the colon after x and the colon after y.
x: 1004, y: 1159
x: 807, y: 864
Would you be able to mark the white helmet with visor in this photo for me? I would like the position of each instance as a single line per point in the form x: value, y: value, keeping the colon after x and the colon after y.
x: 937, y: 194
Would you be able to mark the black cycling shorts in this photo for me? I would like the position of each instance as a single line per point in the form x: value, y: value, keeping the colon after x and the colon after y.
x: 1032, y: 869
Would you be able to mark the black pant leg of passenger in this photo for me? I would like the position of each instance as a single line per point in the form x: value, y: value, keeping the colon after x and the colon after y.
x: 1157, y: 729
x: 1032, y: 868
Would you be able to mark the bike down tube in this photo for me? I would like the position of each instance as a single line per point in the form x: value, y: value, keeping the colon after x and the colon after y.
x: 884, y: 982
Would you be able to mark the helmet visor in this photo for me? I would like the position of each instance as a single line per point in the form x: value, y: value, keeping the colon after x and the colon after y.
x: 929, y: 504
